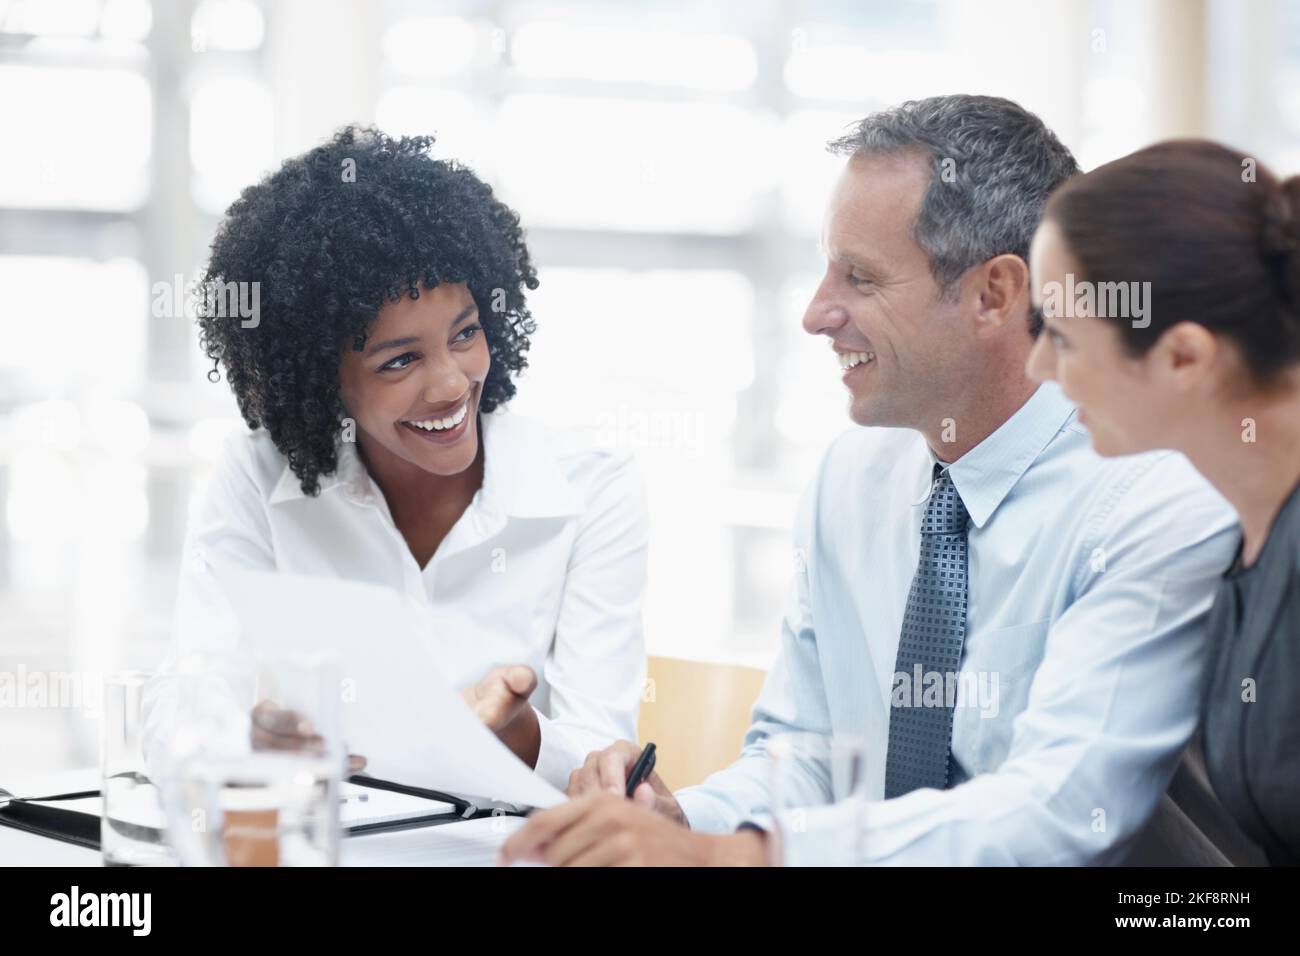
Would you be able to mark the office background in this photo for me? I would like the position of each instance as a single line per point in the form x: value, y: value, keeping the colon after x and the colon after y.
x: 667, y: 159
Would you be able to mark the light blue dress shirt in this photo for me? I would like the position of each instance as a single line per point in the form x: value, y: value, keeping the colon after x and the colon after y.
x: 1089, y: 581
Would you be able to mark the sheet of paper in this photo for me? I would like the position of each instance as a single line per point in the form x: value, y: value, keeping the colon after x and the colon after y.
x: 360, y: 805
x: 465, y: 843
x: 47, y: 784
x: 399, y: 712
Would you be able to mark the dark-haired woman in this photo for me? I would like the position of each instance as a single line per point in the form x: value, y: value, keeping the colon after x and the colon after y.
x: 1196, y: 347
x: 392, y: 319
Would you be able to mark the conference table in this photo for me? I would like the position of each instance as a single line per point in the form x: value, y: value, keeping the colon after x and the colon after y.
x: 462, y: 843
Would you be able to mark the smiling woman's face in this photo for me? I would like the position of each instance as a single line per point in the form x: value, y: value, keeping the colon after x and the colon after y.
x: 1118, y: 400
x: 424, y: 361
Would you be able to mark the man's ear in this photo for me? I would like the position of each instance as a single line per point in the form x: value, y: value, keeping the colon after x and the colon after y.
x: 1002, y: 293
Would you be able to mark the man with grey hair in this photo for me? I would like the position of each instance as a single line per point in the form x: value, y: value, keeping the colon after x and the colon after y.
x: 1011, y: 623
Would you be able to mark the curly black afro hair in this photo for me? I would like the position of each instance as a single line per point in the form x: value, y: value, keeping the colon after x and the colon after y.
x: 328, y: 249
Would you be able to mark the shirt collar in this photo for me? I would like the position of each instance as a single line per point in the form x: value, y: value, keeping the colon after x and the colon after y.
x: 985, y: 475
x: 349, y: 477
x: 521, y: 477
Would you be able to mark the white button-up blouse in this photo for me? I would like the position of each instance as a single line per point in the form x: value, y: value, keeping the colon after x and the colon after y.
x: 546, y: 567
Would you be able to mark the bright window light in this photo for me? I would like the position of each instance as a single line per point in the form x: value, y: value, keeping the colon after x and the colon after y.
x: 863, y: 74
x: 72, y: 325
x: 85, y: 139
x: 639, y: 333
x: 114, y: 506
x: 461, y: 125
x: 808, y: 171
x: 42, y: 483
x: 1288, y: 92
x: 812, y: 404
x: 54, y: 424
x: 208, y: 436
x: 224, y: 163
x: 635, y: 164
x: 651, y: 362
x: 128, y: 20
x: 434, y: 46
x: 50, y: 17
x: 55, y: 497
x: 227, y: 25
x: 1115, y: 111
x: 628, y: 54
x: 647, y: 383
x: 116, y: 427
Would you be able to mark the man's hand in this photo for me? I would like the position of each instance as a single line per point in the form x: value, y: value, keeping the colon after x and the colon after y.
x: 606, y: 771
x: 500, y: 701
x: 275, y: 728
x: 601, y: 829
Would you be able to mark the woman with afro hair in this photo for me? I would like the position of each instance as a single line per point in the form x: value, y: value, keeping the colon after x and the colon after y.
x: 391, y: 321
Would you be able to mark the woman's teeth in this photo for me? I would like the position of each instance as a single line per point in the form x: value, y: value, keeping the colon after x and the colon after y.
x: 442, y: 424
x: 850, y: 360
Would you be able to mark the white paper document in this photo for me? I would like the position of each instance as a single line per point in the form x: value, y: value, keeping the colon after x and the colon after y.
x: 466, y: 843
x: 362, y: 806
x: 399, y: 711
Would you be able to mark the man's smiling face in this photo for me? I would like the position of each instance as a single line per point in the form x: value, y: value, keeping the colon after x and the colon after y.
x: 878, y: 302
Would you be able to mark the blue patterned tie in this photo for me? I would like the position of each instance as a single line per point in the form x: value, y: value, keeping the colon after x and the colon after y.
x: 934, y: 627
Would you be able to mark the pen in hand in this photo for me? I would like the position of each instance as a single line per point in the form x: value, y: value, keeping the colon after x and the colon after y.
x: 641, y: 769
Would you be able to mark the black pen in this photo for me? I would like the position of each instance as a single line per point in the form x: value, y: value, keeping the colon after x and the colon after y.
x: 641, y: 769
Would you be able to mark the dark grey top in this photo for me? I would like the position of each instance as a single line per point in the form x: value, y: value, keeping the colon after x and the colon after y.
x: 1251, y: 704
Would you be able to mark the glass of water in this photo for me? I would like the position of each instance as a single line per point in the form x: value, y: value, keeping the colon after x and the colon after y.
x: 273, y: 800
x: 133, y: 826
x: 809, y: 771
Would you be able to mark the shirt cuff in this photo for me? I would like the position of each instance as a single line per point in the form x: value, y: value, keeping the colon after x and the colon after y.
x: 556, y: 756
x: 706, y: 813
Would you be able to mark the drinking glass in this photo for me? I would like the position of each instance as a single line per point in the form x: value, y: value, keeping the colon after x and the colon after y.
x: 808, y: 771
x: 133, y: 826
x: 269, y: 794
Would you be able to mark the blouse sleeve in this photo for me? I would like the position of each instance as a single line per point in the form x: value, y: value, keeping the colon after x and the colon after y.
x: 596, y: 668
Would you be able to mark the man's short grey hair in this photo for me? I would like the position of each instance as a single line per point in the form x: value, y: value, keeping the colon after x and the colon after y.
x: 993, y: 165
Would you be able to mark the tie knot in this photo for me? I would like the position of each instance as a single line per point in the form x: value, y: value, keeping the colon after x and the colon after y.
x: 945, y: 513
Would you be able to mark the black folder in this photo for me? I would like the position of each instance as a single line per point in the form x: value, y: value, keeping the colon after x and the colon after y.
x: 58, y: 823
x: 75, y: 826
